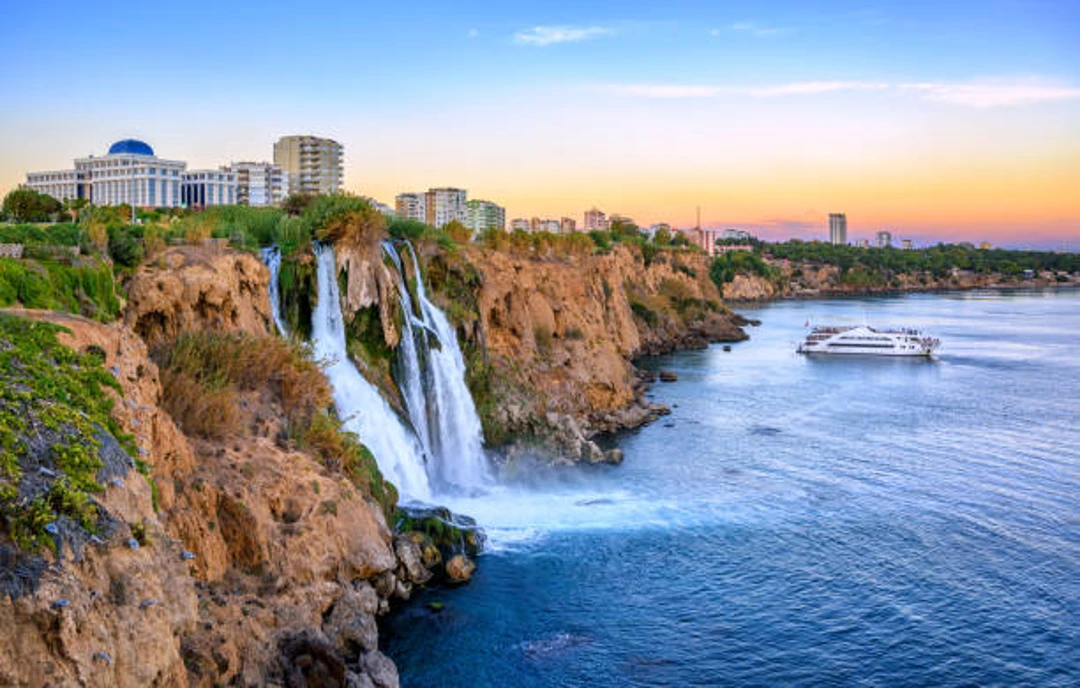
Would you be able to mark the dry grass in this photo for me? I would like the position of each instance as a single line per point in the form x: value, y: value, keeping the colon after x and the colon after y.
x: 203, y: 375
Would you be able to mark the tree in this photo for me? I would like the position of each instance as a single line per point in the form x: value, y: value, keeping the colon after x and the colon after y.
x: 27, y: 205
x: 297, y: 203
x: 457, y: 232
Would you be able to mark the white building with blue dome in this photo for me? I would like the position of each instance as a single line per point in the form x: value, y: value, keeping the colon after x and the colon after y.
x: 129, y: 173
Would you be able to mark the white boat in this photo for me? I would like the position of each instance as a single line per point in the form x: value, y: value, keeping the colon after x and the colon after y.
x: 865, y: 340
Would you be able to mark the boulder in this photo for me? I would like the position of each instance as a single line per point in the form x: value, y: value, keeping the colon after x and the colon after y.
x: 460, y: 569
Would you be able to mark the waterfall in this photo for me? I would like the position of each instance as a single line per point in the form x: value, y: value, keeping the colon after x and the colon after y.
x: 364, y: 411
x: 433, y: 384
x: 271, y: 255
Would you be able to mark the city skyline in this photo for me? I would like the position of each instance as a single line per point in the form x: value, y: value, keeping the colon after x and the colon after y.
x: 951, y: 123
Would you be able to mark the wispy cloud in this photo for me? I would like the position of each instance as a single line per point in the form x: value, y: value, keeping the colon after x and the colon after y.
x: 548, y: 35
x: 994, y: 93
x: 661, y: 91
x: 755, y: 29
x: 814, y: 87
x: 981, y: 94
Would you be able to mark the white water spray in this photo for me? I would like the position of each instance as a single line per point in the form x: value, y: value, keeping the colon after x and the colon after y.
x: 271, y: 255
x: 433, y: 383
x: 364, y: 410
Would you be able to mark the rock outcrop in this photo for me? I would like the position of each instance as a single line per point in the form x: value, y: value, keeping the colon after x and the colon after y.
x: 198, y: 288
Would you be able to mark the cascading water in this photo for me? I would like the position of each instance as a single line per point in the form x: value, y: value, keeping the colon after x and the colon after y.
x: 364, y: 410
x: 440, y: 405
x: 271, y: 255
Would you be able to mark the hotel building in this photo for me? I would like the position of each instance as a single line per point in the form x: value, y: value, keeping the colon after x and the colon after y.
x: 259, y: 183
x: 313, y: 164
x: 411, y: 206
x: 884, y: 239
x: 444, y: 206
x: 837, y: 229
x: 484, y: 215
x: 129, y: 173
x: 595, y: 219
x: 204, y: 188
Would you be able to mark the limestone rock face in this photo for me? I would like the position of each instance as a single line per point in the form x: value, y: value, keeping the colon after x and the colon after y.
x: 198, y: 288
x: 252, y: 543
x: 559, y: 333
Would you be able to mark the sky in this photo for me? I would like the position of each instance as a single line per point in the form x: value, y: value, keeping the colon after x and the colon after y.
x: 935, y: 120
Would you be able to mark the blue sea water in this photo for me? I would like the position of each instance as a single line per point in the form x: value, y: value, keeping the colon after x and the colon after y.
x: 799, y: 522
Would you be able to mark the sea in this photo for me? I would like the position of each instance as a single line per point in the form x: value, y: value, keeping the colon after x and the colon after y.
x: 797, y: 521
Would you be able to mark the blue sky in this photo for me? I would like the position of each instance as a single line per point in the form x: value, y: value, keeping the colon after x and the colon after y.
x: 483, y: 94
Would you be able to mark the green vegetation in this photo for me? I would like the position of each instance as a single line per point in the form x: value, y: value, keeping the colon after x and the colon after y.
x: 725, y: 266
x: 205, y: 374
x: 53, y: 408
x: 85, y: 286
x: 937, y: 260
x: 27, y: 205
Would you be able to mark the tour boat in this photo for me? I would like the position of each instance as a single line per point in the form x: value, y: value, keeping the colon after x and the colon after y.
x: 865, y: 340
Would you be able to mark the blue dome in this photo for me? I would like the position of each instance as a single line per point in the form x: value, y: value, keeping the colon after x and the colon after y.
x: 131, y: 147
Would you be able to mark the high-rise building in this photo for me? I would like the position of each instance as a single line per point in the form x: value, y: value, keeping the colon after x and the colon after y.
x: 445, y: 205
x: 737, y: 234
x: 907, y: 244
x: 567, y: 225
x: 259, y: 183
x: 314, y: 165
x: 883, y: 239
x: 484, y: 215
x: 519, y: 224
x: 203, y: 188
x: 129, y: 173
x: 837, y: 229
x: 595, y: 219
x: 411, y: 206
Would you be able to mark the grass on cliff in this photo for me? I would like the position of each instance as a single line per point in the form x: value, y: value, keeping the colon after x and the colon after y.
x: 85, y: 287
x: 204, y: 376
x: 53, y: 405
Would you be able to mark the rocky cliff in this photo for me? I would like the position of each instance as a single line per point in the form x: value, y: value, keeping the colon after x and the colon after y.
x: 551, y: 338
x: 246, y: 551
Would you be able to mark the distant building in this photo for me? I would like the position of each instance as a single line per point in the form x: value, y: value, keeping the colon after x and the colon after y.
x: 538, y: 224
x: 129, y: 173
x: 735, y: 235
x: 708, y: 239
x: 985, y: 245
x: 411, y: 206
x: 519, y: 224
x: 659, y: 226
x: 884, y: 239
x: 728, y: 248
x: 595, y: 219
x: 484, y: 215
x: 314, y: 165
x: 907, y: 245
x: 204, y: 188
x: 863, y: 243
x: 445, y: 205
x: 567, y: 225
x: 837, y: 229
x: 259, y: 183
x: 621, y: 219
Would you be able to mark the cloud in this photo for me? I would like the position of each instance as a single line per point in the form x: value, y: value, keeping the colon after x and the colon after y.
x: 754, y: 29
x: 814, y: 87
x: 661, y: 91
x: 547, y: 35
x: 982, y: 94
x: 994, y: 93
